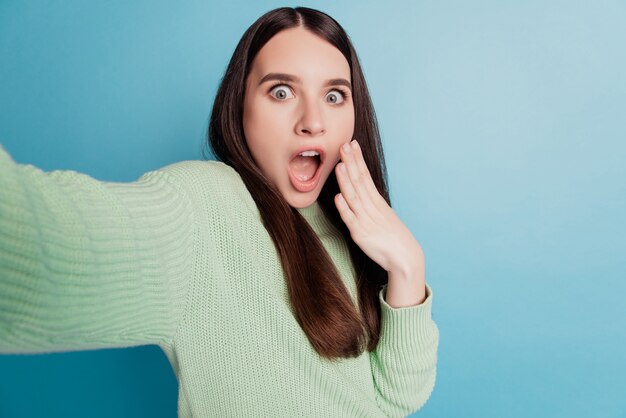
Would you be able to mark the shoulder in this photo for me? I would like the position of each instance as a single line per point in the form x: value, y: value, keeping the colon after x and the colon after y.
x: 205, y: 181
x: 198, y: 170
x: 197, y: 173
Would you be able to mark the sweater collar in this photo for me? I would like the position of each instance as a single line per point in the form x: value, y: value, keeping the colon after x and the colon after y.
x: 315, y: 216
x: 314, y: 211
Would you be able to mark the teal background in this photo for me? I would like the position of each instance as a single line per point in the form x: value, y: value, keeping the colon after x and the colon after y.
x: 504, y: 125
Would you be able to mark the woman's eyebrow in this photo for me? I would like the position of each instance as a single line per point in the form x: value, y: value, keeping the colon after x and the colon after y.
x: 293, y: 79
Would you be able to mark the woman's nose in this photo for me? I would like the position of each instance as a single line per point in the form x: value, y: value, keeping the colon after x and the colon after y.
x: 311, y: 120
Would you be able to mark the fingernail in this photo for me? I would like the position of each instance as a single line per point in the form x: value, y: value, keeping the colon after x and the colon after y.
x: 346, y: 147
x: 355, y: 144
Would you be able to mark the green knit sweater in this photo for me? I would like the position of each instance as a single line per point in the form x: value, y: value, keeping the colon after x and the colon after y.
x: 180, y: 258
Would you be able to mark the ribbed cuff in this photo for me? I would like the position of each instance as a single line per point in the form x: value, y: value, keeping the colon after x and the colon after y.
x: 408, y: 325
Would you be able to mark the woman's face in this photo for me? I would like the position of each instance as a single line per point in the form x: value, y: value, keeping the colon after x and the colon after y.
x: 298, y: 97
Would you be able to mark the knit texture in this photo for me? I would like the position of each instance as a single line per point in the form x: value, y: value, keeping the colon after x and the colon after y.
x: 180, y: 258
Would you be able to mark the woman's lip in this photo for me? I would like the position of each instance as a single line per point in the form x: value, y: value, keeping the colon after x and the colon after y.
x: 320, y: 150
x: 306, y: 186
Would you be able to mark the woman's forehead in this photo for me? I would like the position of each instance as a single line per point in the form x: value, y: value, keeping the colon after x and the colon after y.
x: 299, y: 52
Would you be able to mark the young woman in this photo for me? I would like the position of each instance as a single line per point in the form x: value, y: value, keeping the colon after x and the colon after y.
x: 277, y: 280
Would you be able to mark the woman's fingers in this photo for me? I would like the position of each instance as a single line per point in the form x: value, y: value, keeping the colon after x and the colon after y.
x: 368, y: 182
x: 356, y: 183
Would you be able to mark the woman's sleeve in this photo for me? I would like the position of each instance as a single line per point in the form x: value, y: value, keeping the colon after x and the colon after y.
x: 86, y: 264
x: 405, y: 361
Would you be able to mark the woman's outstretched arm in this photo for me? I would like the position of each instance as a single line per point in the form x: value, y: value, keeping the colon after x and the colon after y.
x: 86, y: 264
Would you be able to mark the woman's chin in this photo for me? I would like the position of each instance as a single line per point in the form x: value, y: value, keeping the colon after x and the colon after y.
x: 303, y: 200
x: 299, y: 200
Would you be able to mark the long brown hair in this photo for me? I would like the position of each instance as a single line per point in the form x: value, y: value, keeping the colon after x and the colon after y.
x: 320, y: 301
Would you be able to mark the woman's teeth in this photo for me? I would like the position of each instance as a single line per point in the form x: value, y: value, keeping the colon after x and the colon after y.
x: 309, y: 153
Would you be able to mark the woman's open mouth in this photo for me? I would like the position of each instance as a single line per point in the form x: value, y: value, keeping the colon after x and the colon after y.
x: 305, y: 170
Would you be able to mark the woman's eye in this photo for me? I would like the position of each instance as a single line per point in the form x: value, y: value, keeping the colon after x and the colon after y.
x: 281, y: 92
x: 335, y: 97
